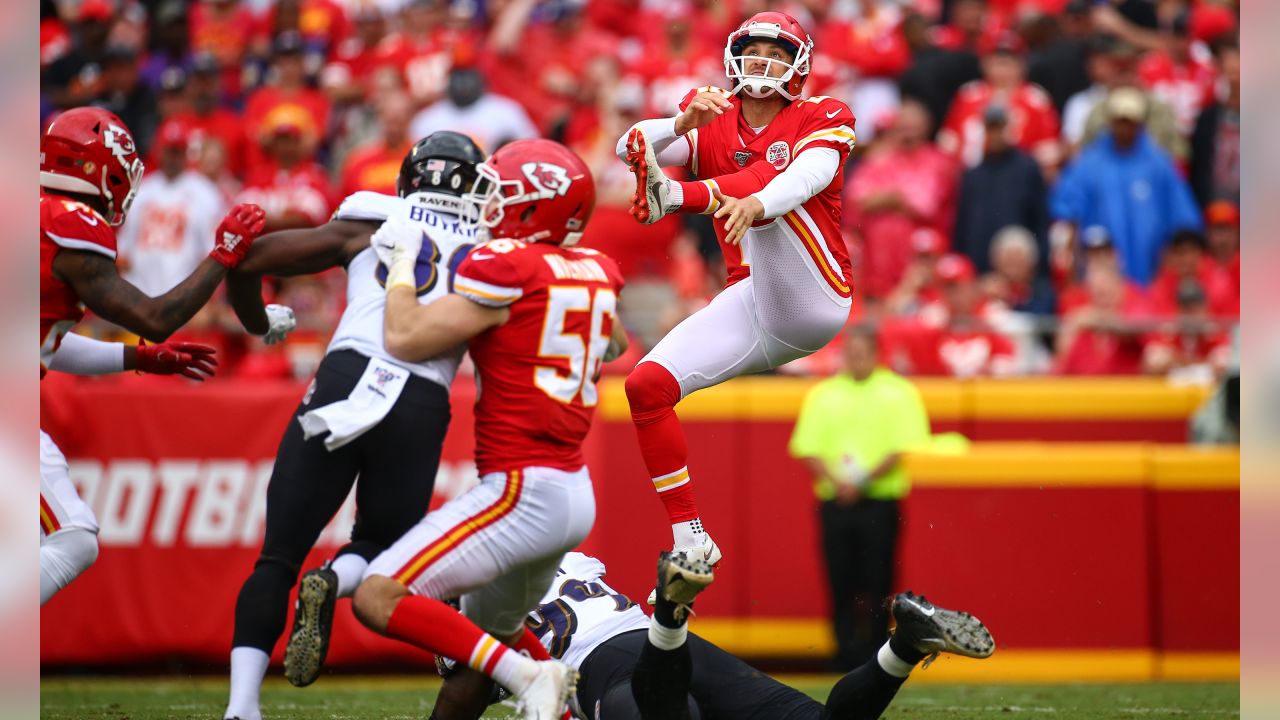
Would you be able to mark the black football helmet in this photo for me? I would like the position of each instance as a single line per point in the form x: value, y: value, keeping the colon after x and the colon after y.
x: 443, y: 164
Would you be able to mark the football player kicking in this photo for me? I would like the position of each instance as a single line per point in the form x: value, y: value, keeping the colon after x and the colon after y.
x: 770, y: 165
x: 367, y: 415
x: 541, y: 318
x: 638, y: 668
x: 89, y: 171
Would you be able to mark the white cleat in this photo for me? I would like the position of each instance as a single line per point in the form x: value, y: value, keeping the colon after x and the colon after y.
x: 652, y: 197
x: 548, y: 695
x: 707, y: 552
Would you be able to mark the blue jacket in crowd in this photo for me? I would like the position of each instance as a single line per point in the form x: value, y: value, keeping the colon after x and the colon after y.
x: 1137, y: 195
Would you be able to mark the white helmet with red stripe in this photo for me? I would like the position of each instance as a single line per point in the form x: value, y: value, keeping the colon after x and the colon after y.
x: 782, y: 29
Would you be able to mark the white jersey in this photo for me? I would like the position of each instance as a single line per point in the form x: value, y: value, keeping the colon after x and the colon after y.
x: 491, y: 120
x: 169, y: 230
x: 446, y: 244
x: 580, y: 611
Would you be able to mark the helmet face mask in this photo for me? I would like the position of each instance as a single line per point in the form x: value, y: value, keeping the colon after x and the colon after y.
x: 485, y: 203
x: 779, y: 28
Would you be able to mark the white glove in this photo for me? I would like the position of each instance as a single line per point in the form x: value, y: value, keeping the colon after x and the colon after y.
x: 280, y: 321
x: 397, y: 244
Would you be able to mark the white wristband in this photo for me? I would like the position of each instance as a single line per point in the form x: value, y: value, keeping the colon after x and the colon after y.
x: 401, y: 273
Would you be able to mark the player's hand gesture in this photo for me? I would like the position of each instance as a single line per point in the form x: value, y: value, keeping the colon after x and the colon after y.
x: 176, y: 358
x: 236, y: 233
x: 397, y: 244
x: 739, y: 214
x: 704, y: 108
x: 280, y: 322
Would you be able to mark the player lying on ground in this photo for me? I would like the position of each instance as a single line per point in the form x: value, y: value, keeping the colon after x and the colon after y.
x: 540, y: 318
x: 367, y: 414
x: 789, y: 287
x: 89, y: 173
x: 634, y: 667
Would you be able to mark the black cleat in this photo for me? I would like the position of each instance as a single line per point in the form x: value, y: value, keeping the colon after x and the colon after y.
x: 312, y: 624
x: 932, y: 630
x: 681, y: 576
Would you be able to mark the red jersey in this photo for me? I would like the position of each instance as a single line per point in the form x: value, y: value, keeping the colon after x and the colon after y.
x: 873, y: 44
x: 1222, y: 295
x: 1097, y: 352
x: 265, y: 99
x: 975, y: 352
x: 72, y: 225
x: 374, y: 167
x: 1033, y: 123
x: 729, y: 144
x: 223, y: 31
x: 537, y: 372
x: 1187, y: 87
x: 1192, y: 348
x: 302, y: 190
x: 221, y: 126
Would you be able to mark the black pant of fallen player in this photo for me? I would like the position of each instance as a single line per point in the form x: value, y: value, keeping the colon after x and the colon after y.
x: 396, y: 462
x: 629, y: 677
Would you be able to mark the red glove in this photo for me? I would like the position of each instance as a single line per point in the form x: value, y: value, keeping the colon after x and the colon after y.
x: 177, y: 358
x: 236, y: 233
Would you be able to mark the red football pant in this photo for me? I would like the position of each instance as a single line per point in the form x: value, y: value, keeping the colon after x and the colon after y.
x: 653, y: 394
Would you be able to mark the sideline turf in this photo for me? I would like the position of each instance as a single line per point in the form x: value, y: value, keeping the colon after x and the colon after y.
x: 409, y: 698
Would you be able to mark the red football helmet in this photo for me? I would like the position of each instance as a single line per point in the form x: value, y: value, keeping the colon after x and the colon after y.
x: 780, y: 28
x: 533, y: 190
x: 89, y: 151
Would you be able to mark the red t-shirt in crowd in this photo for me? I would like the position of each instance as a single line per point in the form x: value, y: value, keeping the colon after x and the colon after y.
x: 373, y: 167
x: 303, y: 190
x: 1222, y: 294
x: 1186, y: 87
x: 1033, y: 122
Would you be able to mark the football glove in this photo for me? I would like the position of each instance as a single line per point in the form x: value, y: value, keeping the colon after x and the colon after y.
x: 280, y: 321
x: 397, y: 244
x: 236, y: 233
x: 176, y: 358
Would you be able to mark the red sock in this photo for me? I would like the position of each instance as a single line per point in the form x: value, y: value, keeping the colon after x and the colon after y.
x: 653, y: 394
x: 697, y: 194
x: 438, y: 628
x: 529, y: 643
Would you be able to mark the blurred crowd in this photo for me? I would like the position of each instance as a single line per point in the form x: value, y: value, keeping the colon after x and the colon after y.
x: 1040, y: 186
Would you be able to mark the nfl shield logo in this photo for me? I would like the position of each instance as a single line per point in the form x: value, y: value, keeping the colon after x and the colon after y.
x: 742, y: 156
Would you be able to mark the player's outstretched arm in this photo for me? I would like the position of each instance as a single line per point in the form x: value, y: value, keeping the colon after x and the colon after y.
x: 100, y: 287
x: 79, y: 355
x: 414, y: 332
x: 287, y: 253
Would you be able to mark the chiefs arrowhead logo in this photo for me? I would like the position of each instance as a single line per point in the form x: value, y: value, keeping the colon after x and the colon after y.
x: 546, y: 180
x: 118, y: 141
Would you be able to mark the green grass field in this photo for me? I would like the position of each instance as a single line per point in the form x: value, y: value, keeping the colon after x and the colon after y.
x: 402, y: 698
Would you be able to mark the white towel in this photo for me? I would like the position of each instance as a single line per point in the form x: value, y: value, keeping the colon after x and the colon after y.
x: 369, y: 402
